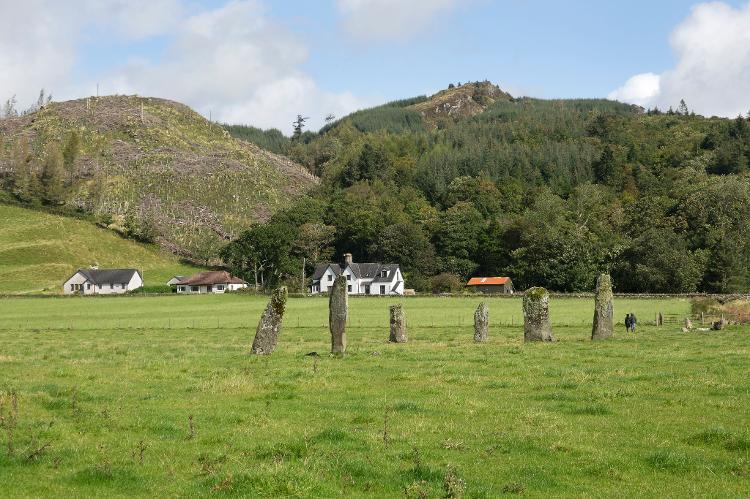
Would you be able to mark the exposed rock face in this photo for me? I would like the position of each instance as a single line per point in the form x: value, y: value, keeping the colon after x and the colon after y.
x: 398, y: 325
x: 338, y: 311
x: 536, y: 324
x: 459, y: 102
x: 269, y: 325
x: 481, y: 323
x: 604, y: 324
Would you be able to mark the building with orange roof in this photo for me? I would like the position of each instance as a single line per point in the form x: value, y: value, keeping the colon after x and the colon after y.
x: 489, y: 285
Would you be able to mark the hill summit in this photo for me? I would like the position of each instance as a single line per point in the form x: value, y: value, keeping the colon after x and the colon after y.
x: 151, y: 168
x: 462, y: 101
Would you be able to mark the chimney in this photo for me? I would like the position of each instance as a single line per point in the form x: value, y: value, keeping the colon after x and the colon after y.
x: 347, y: 258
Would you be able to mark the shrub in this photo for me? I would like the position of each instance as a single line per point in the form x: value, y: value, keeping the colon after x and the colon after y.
x: 446, y: 283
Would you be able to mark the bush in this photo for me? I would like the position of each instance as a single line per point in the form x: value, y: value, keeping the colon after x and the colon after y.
x: 446, y: 283
x: 152, y: 289
x: 704, y: 306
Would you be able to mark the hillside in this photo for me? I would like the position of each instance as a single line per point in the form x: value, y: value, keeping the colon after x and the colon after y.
x: 151, y: 168
x: 38, y: 251
x: 549, y: 192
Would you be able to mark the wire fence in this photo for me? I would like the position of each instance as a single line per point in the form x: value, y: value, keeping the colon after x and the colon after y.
x: 300, y: 322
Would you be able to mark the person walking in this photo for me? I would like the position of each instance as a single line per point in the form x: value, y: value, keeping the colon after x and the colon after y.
x: 633, y: 323
x: 627, y: 323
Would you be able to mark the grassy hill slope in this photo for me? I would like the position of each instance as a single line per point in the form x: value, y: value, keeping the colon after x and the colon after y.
x: 39, y: 250
x: 152, y: 168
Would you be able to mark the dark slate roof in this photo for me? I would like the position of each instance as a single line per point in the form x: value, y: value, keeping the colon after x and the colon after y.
x: 360, y: 270
x: 108, y: 276
x: 391, y: 268
x: 321, y: 268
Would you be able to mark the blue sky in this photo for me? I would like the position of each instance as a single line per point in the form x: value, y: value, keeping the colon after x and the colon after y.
x: 262, y: 61
x: 544, y: 48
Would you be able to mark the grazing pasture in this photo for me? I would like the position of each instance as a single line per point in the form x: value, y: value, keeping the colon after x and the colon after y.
x: 127, y: 396
x: 38, y: 251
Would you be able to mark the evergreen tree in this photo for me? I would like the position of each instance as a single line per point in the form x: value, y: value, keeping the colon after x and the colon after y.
x: 53, y: 173
x: 22, y: 184
x: 299, y: 125
x: 682, y: 108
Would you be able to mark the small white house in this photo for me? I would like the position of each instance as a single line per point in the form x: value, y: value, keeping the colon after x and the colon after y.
x: 362, y: 278
x: 175, y: 279
x: 102, y: 281
x: 210, y: 282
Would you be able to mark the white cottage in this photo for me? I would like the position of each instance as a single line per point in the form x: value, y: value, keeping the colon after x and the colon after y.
x: 362, y: 278
x: 210, y: 282
x: 102, y: 281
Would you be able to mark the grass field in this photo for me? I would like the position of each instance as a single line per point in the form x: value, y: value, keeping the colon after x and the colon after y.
x: 128, y: 396
x: 38, y: 251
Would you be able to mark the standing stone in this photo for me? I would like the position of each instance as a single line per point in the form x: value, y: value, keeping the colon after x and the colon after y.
x: 398, y: 325
x: 269, y: 325
x: 688, y: 323
x: 536, y: 324
x: 481, y: 323
x: 338, y: 310
x: 604, y: 324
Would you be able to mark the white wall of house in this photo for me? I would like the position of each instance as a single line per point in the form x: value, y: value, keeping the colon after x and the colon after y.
x: 326, y: 281
x: 78, y: 284
x: 215, y: 288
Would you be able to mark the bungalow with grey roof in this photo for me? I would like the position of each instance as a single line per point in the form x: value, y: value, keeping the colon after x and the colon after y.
x: 95, y: 281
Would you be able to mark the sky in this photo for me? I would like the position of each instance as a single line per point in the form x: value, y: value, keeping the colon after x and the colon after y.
x: 262, y: 62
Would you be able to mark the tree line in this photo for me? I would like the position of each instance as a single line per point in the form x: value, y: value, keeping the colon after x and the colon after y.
x: 550, y: 193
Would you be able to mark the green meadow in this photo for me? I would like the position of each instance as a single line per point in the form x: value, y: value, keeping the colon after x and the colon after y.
x: 145, y: 396
x: 39, y: 250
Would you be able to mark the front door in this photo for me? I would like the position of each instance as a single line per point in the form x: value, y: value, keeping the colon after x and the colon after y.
x: 367, y: 289
x: 209, y: 288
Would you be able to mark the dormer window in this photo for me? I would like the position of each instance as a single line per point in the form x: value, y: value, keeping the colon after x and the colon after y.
x: 383, y: 273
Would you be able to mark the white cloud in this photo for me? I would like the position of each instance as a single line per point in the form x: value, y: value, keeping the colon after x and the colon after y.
x: 231, y: 61
x: 390, y: 19
x: 639, y: 89
x: 712, y: 74
x: 238, y: 65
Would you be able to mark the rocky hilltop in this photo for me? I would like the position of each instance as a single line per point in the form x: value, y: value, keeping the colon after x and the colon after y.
x: 458, y: 102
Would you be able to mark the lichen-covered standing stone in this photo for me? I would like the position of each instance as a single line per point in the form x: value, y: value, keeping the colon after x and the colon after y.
x: 481, y: 323
x: 604, y: 324
x: 338, y: 310
x: 536, y: 324
x: 398, y: 325
x: 269, y: 325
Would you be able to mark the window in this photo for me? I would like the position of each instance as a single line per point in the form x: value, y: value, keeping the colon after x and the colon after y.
x: 383, y: 273
x: 88, y: 285
x: 124, y: 285
x: 348, y: 277
x: 349, y: 288
x: 220, y: 287
x: 72, y: 287
x: 182, y: 289
x: 382, y: 290
x: 330, y: 277
x: 194, y: 289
